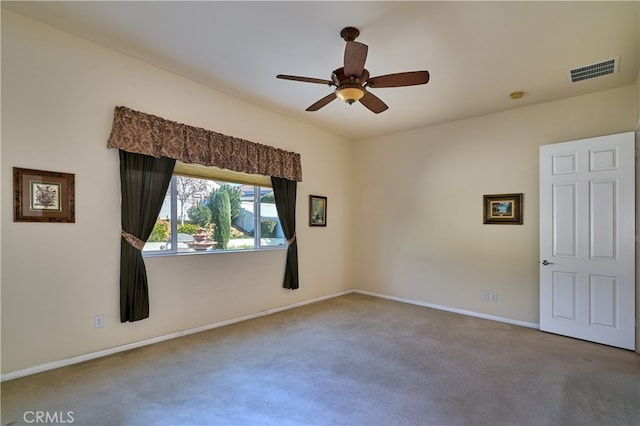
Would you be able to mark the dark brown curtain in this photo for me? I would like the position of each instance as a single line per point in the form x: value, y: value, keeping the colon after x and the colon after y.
x: 284, y: 191
x: 144, y: 181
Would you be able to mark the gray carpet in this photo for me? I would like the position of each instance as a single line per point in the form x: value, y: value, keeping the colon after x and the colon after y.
x: 352, y: 360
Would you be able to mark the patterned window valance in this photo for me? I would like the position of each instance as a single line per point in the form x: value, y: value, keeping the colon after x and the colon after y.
x: 141, y: 133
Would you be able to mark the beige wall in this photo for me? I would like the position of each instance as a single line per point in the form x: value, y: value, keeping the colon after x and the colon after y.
x: 58, y: 96
x: 419, y: 232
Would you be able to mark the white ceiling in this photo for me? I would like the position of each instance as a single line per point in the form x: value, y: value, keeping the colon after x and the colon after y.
x: 476, y: 52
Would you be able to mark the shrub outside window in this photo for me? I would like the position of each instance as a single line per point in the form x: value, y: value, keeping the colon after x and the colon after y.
x: 203, y: 216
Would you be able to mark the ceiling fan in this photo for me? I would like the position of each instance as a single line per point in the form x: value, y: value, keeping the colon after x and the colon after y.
x: 352, y: 80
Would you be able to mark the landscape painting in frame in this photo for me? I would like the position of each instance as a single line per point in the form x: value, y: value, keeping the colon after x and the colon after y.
x: 317, y: 210
x: 43, y: 196
x: 503, y: 209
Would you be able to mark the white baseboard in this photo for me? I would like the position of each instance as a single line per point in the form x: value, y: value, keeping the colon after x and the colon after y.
x: 455, y: 310
x: 99, y: 354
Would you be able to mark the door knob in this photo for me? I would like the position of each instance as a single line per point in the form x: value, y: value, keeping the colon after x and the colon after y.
x: 545, y: 262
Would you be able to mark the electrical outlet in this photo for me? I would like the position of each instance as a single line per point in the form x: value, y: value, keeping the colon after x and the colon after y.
x: 99, y: 321
x: 485, y: 295
x: 493, y: 297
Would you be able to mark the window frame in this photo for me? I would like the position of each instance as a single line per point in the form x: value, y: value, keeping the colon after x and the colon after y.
x: 218, y: 175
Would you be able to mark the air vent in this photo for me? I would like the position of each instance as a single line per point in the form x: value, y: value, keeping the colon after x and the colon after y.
x: 586, y: 72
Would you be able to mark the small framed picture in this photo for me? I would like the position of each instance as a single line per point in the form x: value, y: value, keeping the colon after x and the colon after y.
x: 503, y: 208
x: 317, y: 210
x: 41, y: 196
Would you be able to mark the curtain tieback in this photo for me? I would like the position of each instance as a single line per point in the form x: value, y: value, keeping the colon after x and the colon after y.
x: 133, y: 240
x: 292, y: 239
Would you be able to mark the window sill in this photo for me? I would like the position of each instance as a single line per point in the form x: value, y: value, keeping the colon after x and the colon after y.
x: 162, y: 253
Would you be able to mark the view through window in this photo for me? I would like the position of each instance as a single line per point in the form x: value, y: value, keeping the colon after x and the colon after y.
x: 202, y: 215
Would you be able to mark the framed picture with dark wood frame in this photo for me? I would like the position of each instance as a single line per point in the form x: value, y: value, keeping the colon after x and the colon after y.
x: 317, y: 210
x: 41, y: 196
x: 503, y: 209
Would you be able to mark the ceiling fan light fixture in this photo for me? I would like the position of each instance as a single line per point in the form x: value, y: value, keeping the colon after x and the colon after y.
x: 350, y: 94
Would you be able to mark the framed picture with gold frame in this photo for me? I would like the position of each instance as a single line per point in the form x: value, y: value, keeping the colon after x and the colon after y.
x: 503, y: 209
x: 42, y: 196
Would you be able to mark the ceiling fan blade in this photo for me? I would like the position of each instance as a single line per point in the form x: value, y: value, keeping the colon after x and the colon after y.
x: 411, y: 78
x: 322, y: 102
x: 305, y: 79
x: 373, y: 103
x: 355, y: 55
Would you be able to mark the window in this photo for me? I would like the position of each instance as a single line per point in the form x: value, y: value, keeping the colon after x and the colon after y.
x: 206, y: 215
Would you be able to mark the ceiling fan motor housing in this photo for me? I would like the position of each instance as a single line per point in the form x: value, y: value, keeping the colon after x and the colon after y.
x: 349, y: 88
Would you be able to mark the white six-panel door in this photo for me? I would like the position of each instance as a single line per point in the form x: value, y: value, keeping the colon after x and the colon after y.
x: 587, y: 239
